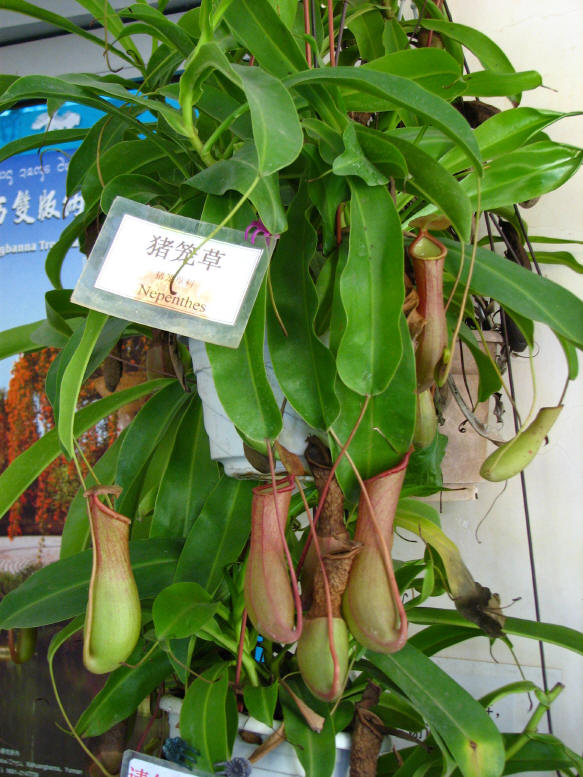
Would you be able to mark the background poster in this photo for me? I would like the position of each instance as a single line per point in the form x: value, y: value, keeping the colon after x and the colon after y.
x: 33, y: 212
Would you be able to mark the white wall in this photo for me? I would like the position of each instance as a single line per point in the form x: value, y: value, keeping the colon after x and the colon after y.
x: 545, y: 37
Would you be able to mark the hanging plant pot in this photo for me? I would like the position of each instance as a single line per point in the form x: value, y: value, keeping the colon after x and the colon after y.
x: 280, y: 761
x: 466, y: 449
x: 226, y: 445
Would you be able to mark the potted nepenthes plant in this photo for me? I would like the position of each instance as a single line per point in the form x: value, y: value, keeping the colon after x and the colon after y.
x: 351, y: 142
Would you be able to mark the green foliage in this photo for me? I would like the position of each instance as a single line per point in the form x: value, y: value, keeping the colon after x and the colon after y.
x: 338, y: 163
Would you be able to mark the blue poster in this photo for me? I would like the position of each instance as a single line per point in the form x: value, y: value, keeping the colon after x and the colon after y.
x: 33, y: 212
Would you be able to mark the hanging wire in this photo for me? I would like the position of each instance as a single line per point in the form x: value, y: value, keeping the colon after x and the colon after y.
x: 450, y: 18
x: 533, y: 575
x: 526, y: 240
x: 341, y: 29
x: 313, y: 10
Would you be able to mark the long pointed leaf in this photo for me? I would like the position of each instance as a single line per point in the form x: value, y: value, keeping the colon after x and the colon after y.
x: 372, y: 292
x: 18, y: 339
x: 241, y: 380
x: 204, y: 718
x: 385, y: 433
x: 181, y: 610
x: 21, y: 472
x: 188, y: 480
x: 553, y: 633
x: 218, y: 535
x: 144, y: 435
x: 41, y: 140
x: 73, y: 378
x: 303, y: 365
x: 534, y: 297
x: 38, y: 12
x: 465, y: 727
x: 438, y: 186
x: 403, y: 93
x: 125, y: 688
x: 59, y: 591
x: 523, y: 174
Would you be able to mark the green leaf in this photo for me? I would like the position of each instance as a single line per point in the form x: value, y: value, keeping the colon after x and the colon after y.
x: 433, y: 69
x: 63, y: 635
x: 394, y: 37
x: 315, y: 751
x: 385, y: 433
x: 181, y: 610
x: 123, y: 691
x: 123, y: 157
x: 489, y: 53
x: 204, y: 718
x: 545, y: 632
x: 239, y: 173
x: 571, y: 357
x: 504, y: 132
x: 57, y: 253
x: 109, y: 18
x: 18, y: 339
x: 146, y: 484
x: 402, y: 93
x: 276, y: 127
x: 188, y: 480
x: 486, y: 83
x: 260, y: 701
x: 327, y: 194
x: 59, y: 591
x: 382, y: 152
x: 489, y: 379
x: 393, y: 707
x: 21, y: 472
x: 241, y: 380
x: 367, y: 27
x: 423, y: 476
x: 467, y: 730
x: 522, y: 686
x: 527, y: 294
x: 161, y: 27
x: 41, y: 140
x: 372, y: 291
x: 103, y: 134
x: 559, y: 257
x: 303, y: 365
x: 73, y: 378
x: 38, y: 12
x: 256, y: 25
x: 542, y: 752
x: 352, y: 161
x: 143, y: 437
x: 218, y: 535
x: 434, y: 639
x: 140, y: 188
x: 523, y: 174
x: 286, y: 10
x: 436, y: 185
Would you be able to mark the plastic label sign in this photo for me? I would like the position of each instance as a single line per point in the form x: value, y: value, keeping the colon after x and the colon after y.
x: 140, y: 765
x: 173, y: 273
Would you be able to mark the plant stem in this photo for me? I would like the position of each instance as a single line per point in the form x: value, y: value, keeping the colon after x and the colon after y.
x: 216, y: 230
x: 224, y: 125
x: 214, y: 635
x: 545, y: 701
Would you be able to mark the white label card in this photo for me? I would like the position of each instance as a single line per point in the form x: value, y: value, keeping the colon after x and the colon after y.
x: 137, y: 765
x: 144, y: 257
